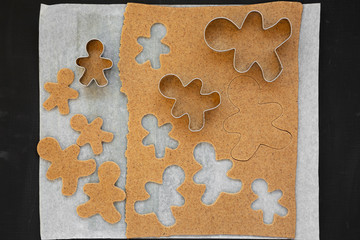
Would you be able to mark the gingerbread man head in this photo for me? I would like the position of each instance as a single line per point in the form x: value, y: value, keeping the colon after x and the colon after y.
x: 65, y: 76
x: 78, y: 122
x: 109, y: 173
x: 95, y: 47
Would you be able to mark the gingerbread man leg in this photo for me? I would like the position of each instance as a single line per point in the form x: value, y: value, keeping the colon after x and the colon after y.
x: 49, y: 104
x: 86, y: 78
x: 69, y: 185
x: 101, y: 80
x: 97, y: 147
x: 63, y: 107
x: 110, y: 214
x: 87, y: 209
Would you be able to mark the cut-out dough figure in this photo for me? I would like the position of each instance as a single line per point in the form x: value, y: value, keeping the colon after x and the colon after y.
x: 267, y: 202
x: 94, y: 65
x: 254, y: 121
x: 213, y: 174
x: 189, y: 99
x: 90, y: 132
x: 64, y: 164
x: 158, y: 135
x: 153, y: 47
x: 60, y: 92
x: 251, y: 41
x: 161, y: 194
x: 103, y: 195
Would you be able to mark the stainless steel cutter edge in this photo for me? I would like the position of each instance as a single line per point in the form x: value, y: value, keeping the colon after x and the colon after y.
x: 263, y: 27
x: 103, y: 70
x: 201, y: 93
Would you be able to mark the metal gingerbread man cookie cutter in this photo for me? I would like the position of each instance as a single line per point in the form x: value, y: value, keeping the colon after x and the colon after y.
x: 200, y: 93
x: 102, y: 64
x: 239, y: 28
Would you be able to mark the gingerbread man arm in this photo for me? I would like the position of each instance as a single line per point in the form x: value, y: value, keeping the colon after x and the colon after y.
x: 271, y: 110
x: 98, y: 122
x: 50, y: 103
x: 50, y: 87
x: 72, y: 151
x: 72, y: 93
x: 107, y: 63
x: 118, y: 194
x: 86, y: 167
x: 91, y: 189
x: 105, y: 136
x: 81, y: 141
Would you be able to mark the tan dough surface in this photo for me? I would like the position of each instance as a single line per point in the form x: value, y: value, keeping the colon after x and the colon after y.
x: 191, y: 58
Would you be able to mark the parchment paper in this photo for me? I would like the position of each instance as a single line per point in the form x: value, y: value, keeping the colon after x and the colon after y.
x: 64, y: 30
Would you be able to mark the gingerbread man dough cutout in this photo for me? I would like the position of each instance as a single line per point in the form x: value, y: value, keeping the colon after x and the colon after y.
x: 60, y: 92
x: 90, y: 132
x: 103, y: 195
x: 94, y: 65
x: 64, y: 164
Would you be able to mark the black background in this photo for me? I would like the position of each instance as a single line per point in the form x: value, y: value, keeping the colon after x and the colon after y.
x: 339, y: 100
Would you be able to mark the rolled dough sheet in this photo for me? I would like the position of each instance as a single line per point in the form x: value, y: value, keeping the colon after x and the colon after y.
x: 64, y: 30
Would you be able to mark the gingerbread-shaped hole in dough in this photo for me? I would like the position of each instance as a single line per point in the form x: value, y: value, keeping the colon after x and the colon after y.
x: 163, y: 196
x: 213, y: 174
x: 158, y: 135
x: 153, y: 46
x: 267, y: 201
